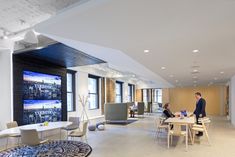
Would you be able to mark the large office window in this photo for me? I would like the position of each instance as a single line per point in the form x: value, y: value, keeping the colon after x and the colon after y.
x: 70, y: 91
x: 93, y: 87
x: 145, y: 95
x: 158, y: 95
x: 119, y: 92
x: 130, y: 93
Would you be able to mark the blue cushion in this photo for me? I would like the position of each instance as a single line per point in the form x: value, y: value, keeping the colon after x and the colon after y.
x: 100, y: 123
x: 92, y: 128
x: 101, y: 127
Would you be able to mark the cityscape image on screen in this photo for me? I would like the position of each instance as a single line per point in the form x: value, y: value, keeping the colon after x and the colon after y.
x: 41, y: 97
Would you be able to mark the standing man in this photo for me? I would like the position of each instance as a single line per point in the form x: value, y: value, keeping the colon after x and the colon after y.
x: 200, y: 110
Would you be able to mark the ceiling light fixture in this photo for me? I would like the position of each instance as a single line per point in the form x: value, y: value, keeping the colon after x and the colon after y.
x: 5, y: 37
x: 221, y: 72
x: 146, y: 51
x: 195, y: 51
x: 163, y: 68
x: 210, y: 83
x: 195, y: 70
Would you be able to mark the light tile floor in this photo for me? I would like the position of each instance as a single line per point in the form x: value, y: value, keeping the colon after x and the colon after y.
x: 137, y: 140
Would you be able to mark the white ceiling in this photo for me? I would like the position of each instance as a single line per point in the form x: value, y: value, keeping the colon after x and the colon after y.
x: 18, y: 15
x: 170, y: 29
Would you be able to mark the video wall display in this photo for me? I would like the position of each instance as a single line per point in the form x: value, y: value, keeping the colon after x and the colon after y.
x: 41, y: 97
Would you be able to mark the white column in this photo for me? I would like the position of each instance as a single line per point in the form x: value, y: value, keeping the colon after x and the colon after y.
x: 6, y: 107
x: 232, y: 100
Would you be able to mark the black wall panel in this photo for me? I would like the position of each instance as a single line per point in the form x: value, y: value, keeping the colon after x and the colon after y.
x: 21, y: 63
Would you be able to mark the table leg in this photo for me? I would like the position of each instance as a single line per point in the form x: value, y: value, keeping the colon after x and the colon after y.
x: 190, y: 134
x: 60, y: 133
x: 186, y: 138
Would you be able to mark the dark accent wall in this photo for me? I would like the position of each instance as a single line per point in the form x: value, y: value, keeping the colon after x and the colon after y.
x: 61, y: 55
x: 21, y: 63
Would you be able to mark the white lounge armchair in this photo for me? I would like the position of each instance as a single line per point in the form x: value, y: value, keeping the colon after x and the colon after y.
x: 78, y: 133
x: 177, y: 131
x: 30, y: 137
x: 202, y: 128
x: 160, y: 127
x: 75, y: 125
x: 13, y: 125
x: 4, y: 136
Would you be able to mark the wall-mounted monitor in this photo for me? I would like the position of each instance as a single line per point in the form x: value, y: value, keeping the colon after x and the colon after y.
x: 41, y: 97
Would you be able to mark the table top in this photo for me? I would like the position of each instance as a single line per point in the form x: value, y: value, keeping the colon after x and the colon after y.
x: 185, y: 120
x: 38, y: 127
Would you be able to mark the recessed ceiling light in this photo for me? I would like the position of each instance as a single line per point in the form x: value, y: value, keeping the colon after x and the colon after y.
x: 146, y: 51
x: 195, y: 51
x: 163, y: 68
x: 5, y: 37
x: 221, y: 72
x: 195, y: 70
x: 210, y: 83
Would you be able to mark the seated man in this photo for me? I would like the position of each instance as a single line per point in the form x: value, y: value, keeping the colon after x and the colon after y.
x: 133, y: 108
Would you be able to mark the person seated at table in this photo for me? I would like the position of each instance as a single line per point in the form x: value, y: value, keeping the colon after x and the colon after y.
x: 133, y: 108
x: 167, y: 112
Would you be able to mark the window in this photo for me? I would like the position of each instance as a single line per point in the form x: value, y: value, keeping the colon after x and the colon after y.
x: 93, y: 90
x: 158, y: 95
x: 118, y: 92
x: 70, y: 90
x: 130, y: 93
x: 145, y: 95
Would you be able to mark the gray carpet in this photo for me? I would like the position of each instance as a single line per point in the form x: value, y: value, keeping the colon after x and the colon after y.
x: 50, y: 149
x: 129, y: 121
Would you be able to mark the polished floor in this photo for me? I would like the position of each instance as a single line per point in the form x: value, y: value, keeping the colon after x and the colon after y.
x: 137, y: 140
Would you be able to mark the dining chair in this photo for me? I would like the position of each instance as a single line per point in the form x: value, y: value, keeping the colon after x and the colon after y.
x: 30, y: 137
x: 160, y: 126
x: 201, y: 128
x: 75, y: 125
x: 4, y: 136
x: 177, y: 130
x: 78, y: 133
x: 13, y: 125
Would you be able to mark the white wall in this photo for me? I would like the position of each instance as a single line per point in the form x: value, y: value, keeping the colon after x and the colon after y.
x: 5, y: 88
x: 232, y: 100
x: 82, y: 90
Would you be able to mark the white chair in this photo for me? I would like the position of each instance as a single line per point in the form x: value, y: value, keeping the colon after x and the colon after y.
x: 13, y: 125
x: 4, y: 136
x: 201, y: 128
x: 30, y: 137
x: 78, y: 133
x: 177, y: 131
x: 75, y: 125
x: 160, y: 127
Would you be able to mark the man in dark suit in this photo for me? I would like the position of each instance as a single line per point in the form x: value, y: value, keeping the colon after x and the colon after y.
x: 200, y: 110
